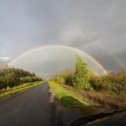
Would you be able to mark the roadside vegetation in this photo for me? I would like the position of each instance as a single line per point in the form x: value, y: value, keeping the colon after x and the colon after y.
x: 68, y: 96
x: 13, y: 80
x: 17, y: 89
x: 113, y: 83
x: 89, y: 89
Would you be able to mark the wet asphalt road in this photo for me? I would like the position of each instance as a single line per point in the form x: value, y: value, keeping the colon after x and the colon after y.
x: 29, y: 108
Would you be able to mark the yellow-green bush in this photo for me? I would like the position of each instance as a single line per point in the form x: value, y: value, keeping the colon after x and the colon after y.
x: 113, y: 83
x: 64, y: 77
x: 81, y: 75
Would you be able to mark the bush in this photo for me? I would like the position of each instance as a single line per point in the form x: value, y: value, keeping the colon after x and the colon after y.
x: 78, y: 78
x: 81, y: 75
x: 10, y: 77
x: 113, y: 83
x: 64, y: 77
x: 96, y: 83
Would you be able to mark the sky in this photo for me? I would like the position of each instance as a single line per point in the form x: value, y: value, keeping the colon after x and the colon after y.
x: 97, y: 27
x: 57, y: 59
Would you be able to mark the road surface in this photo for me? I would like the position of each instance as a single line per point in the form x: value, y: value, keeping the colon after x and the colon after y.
x: 29, y: 108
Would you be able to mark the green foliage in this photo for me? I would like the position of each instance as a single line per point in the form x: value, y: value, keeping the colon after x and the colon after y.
x: 113, y: 83
x: 78, y: 78
x: 64, y: 77
x: 10, y: 91
x: 70, y: 101
x: 10, y: 77
x: 59, y: 79
x: 81, y: 75
x: 69, y: 97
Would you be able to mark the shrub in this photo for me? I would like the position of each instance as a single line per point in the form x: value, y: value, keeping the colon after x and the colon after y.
x: 96, y: 83
x: 10, y: 77
x: 113, y: 83
x: 64, y: 77
x: 81, y: 75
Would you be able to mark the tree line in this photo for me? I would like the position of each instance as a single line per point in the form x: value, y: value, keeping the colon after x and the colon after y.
x: 10, y: 77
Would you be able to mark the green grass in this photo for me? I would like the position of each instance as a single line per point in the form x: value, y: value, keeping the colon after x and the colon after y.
x: 69, y: 97
x: 20, y: 88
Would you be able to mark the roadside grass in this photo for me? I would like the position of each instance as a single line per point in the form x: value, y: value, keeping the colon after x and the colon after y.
x: 114, y: 102
x: 69, y: 97
x: 17, y: 89
x: 99, y: 98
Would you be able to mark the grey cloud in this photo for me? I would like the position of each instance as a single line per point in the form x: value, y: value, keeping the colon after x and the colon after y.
x: 27, y: 24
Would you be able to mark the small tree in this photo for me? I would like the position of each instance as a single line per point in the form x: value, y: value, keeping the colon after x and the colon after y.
x: 81, y: 75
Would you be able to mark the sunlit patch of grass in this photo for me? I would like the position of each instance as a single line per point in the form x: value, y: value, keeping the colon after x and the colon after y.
x: 69, y: 97
x: 20, y: 88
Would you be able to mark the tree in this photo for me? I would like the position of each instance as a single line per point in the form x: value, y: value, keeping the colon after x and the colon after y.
x: 10, y: 77
x: 81, y: 75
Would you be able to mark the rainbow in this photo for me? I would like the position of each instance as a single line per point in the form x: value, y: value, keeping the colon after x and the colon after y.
x: 58, y: 46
